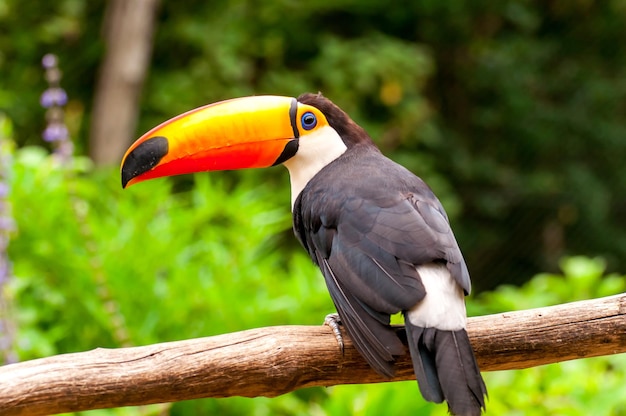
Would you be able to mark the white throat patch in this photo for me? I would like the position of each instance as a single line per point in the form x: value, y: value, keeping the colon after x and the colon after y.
x: 315, y: 150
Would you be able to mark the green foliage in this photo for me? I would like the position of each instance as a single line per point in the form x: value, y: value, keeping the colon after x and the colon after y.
x: 154, y: 250
x: 511, y: 110
x: 530, y: 94
x: 185, y: 261
x: 583, y: 278
x: 69, y: 28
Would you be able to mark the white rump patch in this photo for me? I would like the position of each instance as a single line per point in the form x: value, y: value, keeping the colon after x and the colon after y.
x: 315, y: 150
x: 443, y: 307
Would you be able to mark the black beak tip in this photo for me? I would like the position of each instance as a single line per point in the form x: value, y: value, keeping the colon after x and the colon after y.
x: 143, y: 158
x: 125, y: 181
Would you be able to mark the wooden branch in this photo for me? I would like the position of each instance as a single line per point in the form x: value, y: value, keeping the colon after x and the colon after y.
x: 276, y: 360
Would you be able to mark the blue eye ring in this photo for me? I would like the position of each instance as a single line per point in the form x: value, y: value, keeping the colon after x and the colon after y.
x: 308, y: 120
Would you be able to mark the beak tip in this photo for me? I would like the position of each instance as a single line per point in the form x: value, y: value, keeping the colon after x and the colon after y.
x: 143, y: 158
x: 128, y: 173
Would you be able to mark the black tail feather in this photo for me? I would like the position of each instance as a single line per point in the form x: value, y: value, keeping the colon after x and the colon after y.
x: 446, y: 369
x: 424, y: 364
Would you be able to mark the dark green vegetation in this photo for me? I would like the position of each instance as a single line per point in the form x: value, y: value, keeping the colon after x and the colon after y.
x: 513, y: 111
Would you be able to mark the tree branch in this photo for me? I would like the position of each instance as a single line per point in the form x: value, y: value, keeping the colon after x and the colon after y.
x: 276, y: 360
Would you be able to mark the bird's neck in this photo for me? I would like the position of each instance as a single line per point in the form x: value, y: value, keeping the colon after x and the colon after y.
x: 315, y: 151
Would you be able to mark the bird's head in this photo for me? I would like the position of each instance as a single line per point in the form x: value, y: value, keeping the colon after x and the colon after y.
x: 251, y: 132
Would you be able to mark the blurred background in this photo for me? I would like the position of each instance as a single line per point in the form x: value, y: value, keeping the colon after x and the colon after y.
x: 513, y: 111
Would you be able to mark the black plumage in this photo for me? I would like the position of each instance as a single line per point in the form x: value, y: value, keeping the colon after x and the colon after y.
x: 369, y: 223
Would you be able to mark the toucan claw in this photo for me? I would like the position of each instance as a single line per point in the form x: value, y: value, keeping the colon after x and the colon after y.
x: 333, y: 321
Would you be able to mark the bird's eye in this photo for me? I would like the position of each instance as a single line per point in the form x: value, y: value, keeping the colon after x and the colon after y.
x: 308, y: 120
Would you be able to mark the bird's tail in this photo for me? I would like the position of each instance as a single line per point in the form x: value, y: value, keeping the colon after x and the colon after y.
x: 446, y: 369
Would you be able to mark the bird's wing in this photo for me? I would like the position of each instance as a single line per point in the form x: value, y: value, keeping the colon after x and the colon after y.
x: 368, y: 251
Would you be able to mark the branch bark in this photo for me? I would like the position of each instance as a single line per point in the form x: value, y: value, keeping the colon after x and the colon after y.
x: 276, y: 360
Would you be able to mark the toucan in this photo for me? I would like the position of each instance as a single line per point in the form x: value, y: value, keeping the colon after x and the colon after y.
x: 378, y: 233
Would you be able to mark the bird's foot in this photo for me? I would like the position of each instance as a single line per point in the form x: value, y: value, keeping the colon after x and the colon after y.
x: 333, y: 321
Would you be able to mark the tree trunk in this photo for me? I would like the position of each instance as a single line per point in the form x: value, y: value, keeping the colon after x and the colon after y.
x: 128, y: 29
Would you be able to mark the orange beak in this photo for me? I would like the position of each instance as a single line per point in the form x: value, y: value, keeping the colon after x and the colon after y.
x: 247, y: 132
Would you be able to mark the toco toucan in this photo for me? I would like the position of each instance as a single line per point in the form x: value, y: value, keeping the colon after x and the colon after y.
x: 377, y: 232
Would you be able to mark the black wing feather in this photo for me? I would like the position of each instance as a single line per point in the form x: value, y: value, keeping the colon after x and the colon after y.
x: 369, y: 330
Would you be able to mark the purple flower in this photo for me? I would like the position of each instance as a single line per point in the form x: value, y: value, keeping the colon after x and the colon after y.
x: 55, y: 132
x: 53, y: 96
x: 5, y: 275
x: 49, y: 61
x: 6, y: 223
x: 54, y: 99
x: 64, y: 150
